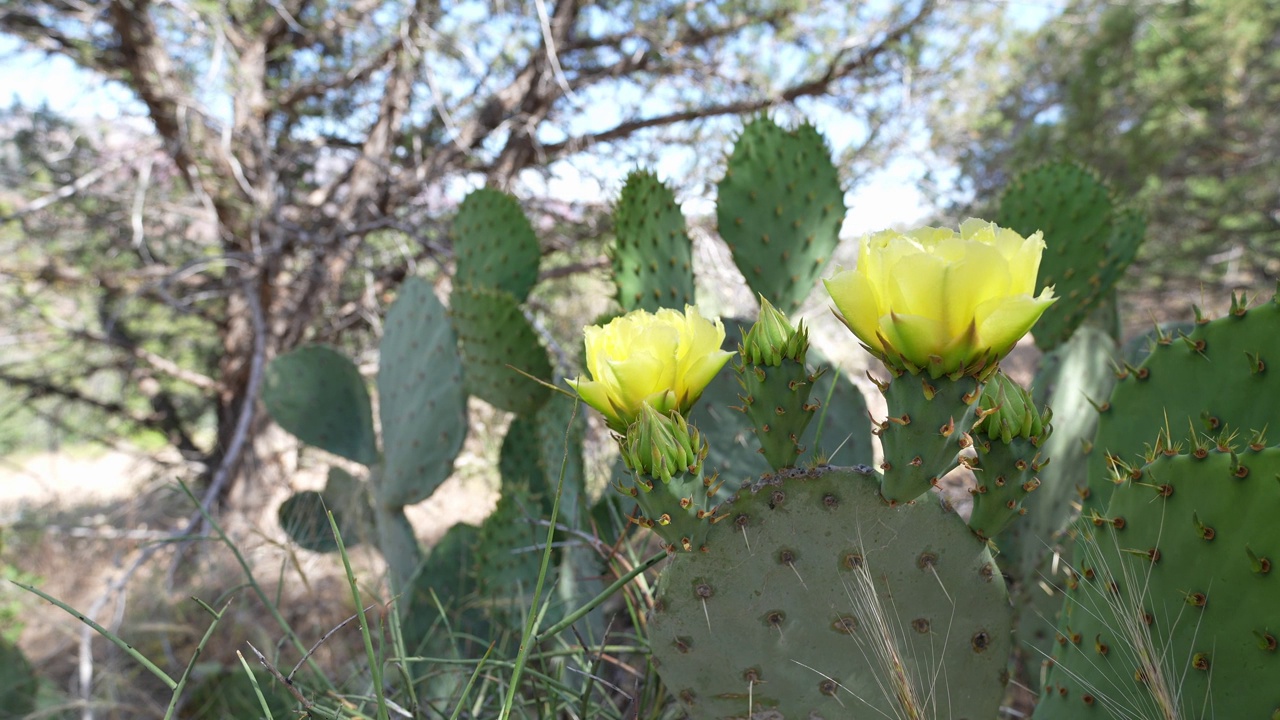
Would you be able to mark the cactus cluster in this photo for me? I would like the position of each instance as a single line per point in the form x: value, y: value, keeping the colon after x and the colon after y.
x: 794, y: 589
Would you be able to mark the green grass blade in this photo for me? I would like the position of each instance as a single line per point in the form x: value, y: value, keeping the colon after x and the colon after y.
x: 528, y: 640
x: 195, y: 656
x: 605, y: 594
x: 375, y: 666
x: 253, y: 680
x: 466, y: 691
x: 129, y: 649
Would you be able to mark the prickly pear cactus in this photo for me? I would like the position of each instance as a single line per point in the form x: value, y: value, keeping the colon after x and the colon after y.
x: 317, y: 394
x: 815, y: 599
x: 1088, y: 243
x: 421, y: 400
x: 1174, y: 610
x: 839, y: 424
x: 1211, y: 379
x: 653, y: 259
x: 492, y: 334
x: 780, y: 208
x: 495, y: 244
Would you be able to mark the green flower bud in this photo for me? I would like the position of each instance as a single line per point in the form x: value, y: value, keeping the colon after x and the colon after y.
x: 661, y: 445
x: 1007, y: 412
x: 773, y: 339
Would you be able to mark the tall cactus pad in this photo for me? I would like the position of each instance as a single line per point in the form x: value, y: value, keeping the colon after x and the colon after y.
x: 422, y: 403
x: 815, y: 599
x: 1175, y: 609
x: 840, y: 425
x: 780, y: 209
x: 1088, y: 244
x: 18, y: 683
x: 492, y: 334
x: 776, y: 400
x: 1222, y: 375
x: 317, y: 394
x: 562, y: 427
x: 927, y: 426
x: 653, y: 259
x: 495, y: 245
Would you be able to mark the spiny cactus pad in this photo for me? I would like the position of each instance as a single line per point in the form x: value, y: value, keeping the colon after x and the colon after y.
x: 815, y: 600
x: 507, y: 556
x: 495, y: 244
x: 1220, y: 376
x: 839, y: 423
x: 780, y: 208
x: 421, y: 400
x: 317, y: 394
x: 492, y: 334
x: 1175, y: 604
x: 653, y: 259
x: 1088, y: 243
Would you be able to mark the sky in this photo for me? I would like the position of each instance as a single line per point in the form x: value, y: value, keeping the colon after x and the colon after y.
x: 886, y: 198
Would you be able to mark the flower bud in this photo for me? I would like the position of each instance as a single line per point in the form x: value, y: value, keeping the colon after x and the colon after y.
x: 661, y: 445
x: 772, y: 339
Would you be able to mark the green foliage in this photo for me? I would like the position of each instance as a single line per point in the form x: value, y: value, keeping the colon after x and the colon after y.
x: 816, y: 596
x: 1172, y: 103
x: 229, y: 693
x: 317, y: 394
x: 495, y: 245
x: 779, y: 208
x: 653, y: 258
x: 18, y: 683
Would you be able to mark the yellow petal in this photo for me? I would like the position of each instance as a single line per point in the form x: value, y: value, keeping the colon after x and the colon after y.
x: 858, y: 305
x: 1002, y: 322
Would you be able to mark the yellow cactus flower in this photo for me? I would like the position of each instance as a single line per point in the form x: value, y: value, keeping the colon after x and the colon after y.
x: 664, y: 359
x: 935, y: 300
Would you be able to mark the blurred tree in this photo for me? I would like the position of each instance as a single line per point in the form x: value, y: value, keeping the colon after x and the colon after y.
x: 300, y: 153
x: 1174, y: 102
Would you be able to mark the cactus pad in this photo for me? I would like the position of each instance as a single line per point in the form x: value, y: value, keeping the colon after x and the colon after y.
x: 840, y: 424
x: 317, y: 394
x: 1174, y: 610
x: 1088, y: 243
x: 422, y: 403
x: 507, y: 556
x: 1212, y: 379
x: 653, y: 259
x: 780, y: 209
x: 495, y: 244
x: 492, y: 334
x: 816, y: 599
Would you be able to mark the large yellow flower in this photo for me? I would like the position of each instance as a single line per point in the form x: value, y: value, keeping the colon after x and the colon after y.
x: 664, y: 359
x: 935, y: 300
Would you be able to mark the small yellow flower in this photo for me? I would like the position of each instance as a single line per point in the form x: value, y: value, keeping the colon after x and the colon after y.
x: 937, y: 300
x: 664, y: 359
